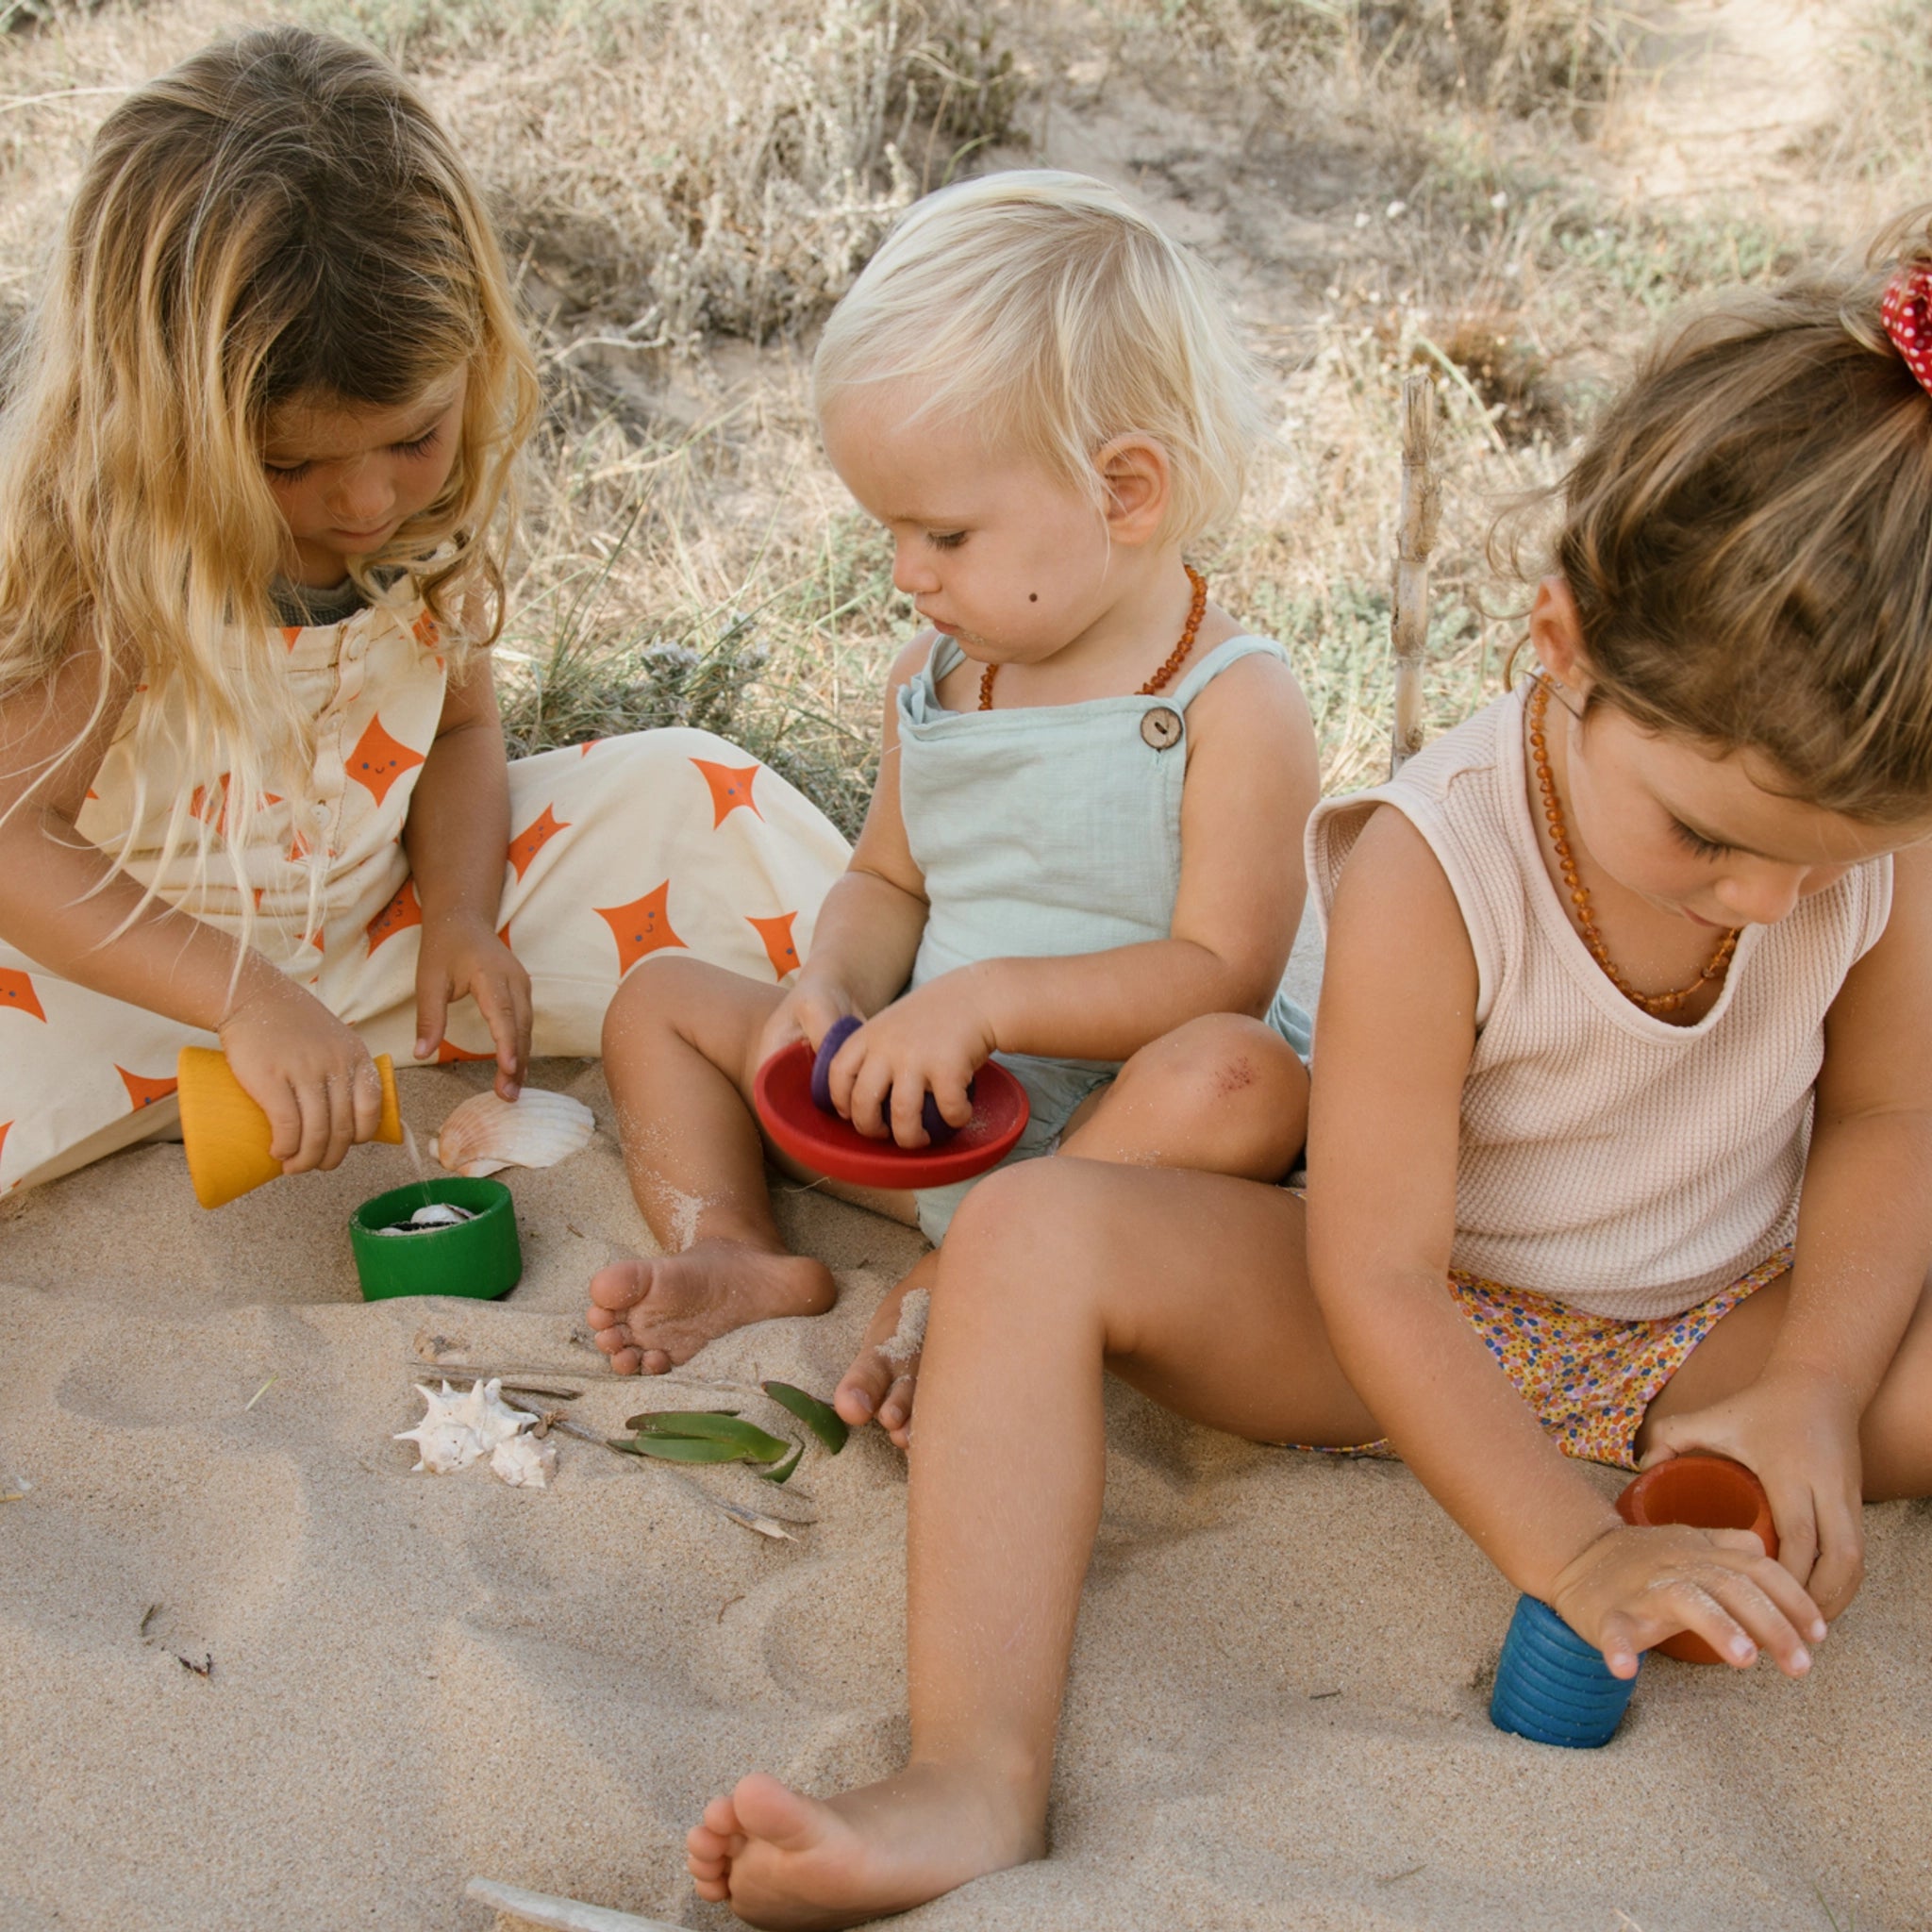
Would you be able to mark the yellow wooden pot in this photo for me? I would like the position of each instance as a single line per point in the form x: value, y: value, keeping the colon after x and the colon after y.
x: 227, y: 1136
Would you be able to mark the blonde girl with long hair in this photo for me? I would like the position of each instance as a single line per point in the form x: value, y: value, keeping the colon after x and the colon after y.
x: 1620, y: 1130
x: 254, y: 490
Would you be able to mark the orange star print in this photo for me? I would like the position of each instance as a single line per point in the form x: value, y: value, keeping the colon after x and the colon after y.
x: 143, y: 1092
x: 402, y: 912
x: 730, y: 787
x: 777, y: 934
x: 378, y: 759
x: 17, y: 991
x: 533, y: 838
x: 642, y: 927
x: 207, y: 804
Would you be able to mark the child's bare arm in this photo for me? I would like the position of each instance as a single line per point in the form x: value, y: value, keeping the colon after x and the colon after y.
x: 61, y: 898
x: 1397, y: 1029
x: 65, y: 904
x: 455, y: 833
x: 869, y: 927
x: 1251, y: 781
x: 1864, y: 1247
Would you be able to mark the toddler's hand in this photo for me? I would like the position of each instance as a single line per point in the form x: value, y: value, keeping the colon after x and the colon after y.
x: 307, y: 1072
x: 934, y: 1039
x: 1633, y: 1587
x: 804, y: 1013
x: 1800, y: 1435
x: 462, y: 955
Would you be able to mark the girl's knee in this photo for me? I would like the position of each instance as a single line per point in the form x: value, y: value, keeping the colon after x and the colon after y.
x: 1020, y: 1223
x: 1221, y: 1069
x: 665, y: 993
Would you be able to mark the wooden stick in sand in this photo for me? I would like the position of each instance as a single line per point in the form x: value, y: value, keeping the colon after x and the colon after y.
x: 1422, y: 516
x: 561, y: 1914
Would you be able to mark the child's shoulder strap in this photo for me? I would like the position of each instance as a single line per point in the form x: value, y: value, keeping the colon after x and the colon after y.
x: 1231, y: 651
x: 945, y: 657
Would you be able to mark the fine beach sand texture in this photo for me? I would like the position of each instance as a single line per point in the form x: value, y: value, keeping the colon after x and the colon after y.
x: 1277, y: 1712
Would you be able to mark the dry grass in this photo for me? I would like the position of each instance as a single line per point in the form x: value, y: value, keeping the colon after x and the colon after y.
x: 687, y: 188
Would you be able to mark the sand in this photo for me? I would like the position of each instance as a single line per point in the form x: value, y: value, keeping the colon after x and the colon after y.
x: 256, y: 1674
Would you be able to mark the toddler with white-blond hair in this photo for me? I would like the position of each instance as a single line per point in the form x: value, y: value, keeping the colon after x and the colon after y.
x: 1083, y: 853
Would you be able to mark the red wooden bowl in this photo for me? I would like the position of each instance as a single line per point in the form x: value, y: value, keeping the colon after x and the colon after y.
x: 828, y: 1144
x: 1708, y: 1493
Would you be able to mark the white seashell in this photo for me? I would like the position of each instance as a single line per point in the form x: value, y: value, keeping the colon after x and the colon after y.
x: 537, y: 1130
x: 524, y: 1462
x: 462, y: 1428
x: 436, y: 1214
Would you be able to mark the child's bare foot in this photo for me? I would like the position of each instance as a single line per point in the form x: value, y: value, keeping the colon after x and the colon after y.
x: 781, y: 1859
x: 649, y: 1316
x: 878, y: 1386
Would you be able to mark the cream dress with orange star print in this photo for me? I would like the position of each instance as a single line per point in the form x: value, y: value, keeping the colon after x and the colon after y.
x: 621, y: 849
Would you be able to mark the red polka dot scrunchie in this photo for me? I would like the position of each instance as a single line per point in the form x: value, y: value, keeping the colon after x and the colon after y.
x: 1907, y: 312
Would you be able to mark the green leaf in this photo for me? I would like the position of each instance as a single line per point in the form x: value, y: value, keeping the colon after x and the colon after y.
x: 653, y: 1417
x: 750, y: 1441
x: 822, y: 1420
x: 784, y: 1473
x: 684, y: 1449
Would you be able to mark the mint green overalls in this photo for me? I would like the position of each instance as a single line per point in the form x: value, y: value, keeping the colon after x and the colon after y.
x: 1045, y: 831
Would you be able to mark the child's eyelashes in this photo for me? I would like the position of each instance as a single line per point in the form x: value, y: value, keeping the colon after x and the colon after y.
x: 1696, y: 841
x: 294, y: 473
x: 945, y: 540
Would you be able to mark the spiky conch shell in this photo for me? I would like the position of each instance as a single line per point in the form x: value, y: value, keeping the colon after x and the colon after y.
x: 537, y: 1130
x: 459, y: 1427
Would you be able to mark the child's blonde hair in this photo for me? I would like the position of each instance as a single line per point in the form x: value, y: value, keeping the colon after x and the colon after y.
x: 1748, y: 537
x: 277, y: 219
x: 1046, y: 310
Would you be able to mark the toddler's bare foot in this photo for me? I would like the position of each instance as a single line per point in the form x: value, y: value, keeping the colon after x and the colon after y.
x: 878, y: 1387
x: 649, y: 1316
x: 784, y: 1860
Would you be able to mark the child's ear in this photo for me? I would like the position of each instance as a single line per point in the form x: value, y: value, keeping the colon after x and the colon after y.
x: 1555, y: 635
x: 1138, y: 485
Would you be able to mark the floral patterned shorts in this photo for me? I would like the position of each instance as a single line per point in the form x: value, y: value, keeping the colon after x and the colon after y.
x: 1589, y: 1377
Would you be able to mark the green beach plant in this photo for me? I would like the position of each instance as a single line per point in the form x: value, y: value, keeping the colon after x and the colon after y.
x: 721, y: 1435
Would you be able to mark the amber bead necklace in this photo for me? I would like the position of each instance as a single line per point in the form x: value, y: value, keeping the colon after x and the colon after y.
x: 1658, y: 1003
x: 1175, y: 658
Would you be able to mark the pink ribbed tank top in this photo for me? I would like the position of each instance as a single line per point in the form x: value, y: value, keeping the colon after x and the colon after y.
x: 1609, y: 1159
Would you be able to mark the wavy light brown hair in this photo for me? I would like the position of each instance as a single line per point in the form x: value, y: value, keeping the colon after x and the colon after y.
x: 277, y: 219
x: 1748, y: 537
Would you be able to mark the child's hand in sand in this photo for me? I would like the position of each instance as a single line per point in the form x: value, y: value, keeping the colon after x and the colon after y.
x: 1633, y: 1587
x: 307, y: 1072
x: 462, y: 955
x: 1799, y: 1434
x: 931, y: 1040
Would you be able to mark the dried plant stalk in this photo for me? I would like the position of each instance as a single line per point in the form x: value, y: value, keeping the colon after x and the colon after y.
x: 563, y: 1914
x: 1422, y: 517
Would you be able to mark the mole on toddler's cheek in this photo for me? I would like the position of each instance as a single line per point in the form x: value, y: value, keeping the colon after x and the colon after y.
x: 1033, y: 597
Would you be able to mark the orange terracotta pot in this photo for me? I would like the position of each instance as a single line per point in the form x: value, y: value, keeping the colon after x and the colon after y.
x: 1708, y: 1493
